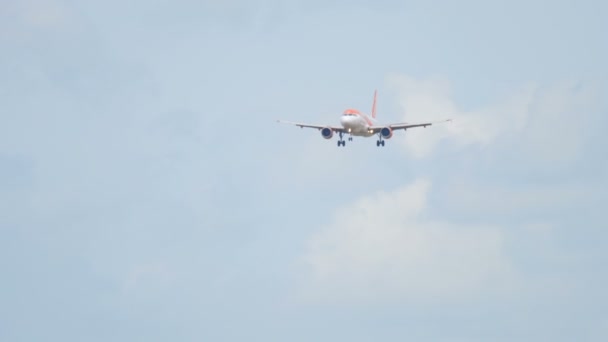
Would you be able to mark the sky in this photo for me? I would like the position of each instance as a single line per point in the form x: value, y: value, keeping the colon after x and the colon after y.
x: 147, y: 192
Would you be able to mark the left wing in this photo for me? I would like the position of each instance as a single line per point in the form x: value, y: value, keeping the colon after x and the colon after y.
x: 319, y: 127
x: 404, y: 126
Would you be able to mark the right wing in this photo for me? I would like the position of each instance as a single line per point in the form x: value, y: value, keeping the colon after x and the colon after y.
x: 319, y: 127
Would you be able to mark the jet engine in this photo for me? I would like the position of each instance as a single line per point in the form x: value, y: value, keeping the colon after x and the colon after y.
x: 386, y: 132
x: 327, y: 133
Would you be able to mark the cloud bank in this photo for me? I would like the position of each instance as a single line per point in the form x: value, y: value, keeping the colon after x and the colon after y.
x: 384, y: 248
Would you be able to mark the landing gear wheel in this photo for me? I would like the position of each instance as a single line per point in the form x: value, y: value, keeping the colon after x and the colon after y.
x: 341, y: 142
x: 380, y: 141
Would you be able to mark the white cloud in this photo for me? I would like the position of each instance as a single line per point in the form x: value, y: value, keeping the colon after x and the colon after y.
x: 548, y: 120
x: 431, y: 100
x: 382, y: 248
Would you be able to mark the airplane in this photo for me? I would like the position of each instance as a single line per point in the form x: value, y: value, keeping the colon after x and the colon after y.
x: 357, y: 123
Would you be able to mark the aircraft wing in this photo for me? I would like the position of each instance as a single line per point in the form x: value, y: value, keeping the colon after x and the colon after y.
x: 319, y: 127
x: 404, y: 126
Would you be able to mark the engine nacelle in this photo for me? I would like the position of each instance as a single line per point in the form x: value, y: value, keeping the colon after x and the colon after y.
x: 386, y: 132
x: 327, y: 133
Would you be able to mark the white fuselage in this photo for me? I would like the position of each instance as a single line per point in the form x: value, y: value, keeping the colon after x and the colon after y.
x: 356, y: 124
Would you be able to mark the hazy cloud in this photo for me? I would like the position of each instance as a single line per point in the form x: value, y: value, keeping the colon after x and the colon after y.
x: 32, y: 19
x: 382, y: 248
x: 549, y: 119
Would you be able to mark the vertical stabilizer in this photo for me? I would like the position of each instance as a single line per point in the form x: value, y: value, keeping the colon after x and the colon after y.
x: 374, y: 105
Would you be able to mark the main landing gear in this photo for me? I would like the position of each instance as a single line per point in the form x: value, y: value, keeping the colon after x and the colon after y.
x: 341, y: 142
x: 380, y: 141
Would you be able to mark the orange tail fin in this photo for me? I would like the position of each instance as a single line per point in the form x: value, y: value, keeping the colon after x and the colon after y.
x: 374, y: 105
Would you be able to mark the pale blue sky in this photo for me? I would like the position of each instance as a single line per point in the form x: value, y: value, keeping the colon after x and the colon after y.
x: 147, y: 193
